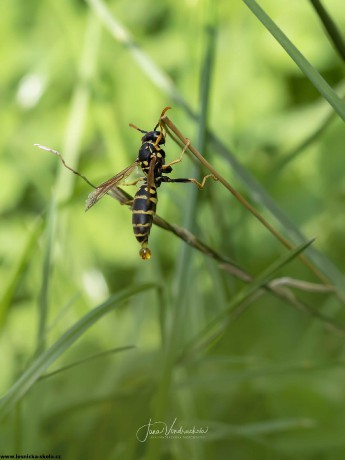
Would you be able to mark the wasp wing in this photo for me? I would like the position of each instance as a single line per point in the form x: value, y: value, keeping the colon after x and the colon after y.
x: 104, y: 188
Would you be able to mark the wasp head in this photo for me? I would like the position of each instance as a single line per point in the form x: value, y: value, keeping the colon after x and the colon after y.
x: 152, y: 136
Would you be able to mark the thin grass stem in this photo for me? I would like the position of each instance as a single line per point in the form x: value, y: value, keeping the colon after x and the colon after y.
x: 308, y: 70
x: 330, y: 27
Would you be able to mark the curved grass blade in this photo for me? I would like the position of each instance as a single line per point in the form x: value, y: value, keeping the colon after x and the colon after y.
x: 42, y: 362
x: 86, y: 360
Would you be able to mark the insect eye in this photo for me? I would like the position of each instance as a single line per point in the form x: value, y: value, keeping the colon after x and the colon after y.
x: 159, y: 135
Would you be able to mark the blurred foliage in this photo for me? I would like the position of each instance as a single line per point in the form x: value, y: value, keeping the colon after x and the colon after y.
x: 271, y: 384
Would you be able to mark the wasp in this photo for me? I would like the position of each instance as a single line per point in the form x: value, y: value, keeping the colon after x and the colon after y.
x: 151, y: 160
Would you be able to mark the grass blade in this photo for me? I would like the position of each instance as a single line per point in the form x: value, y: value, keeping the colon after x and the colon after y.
x: 42, y: 362
x: 86, y: 360
x: 330, y: 27
x: 43, y: 298
x: 215, y: 327
x: 18, y: 271
x: 122, y: 35
x: 184, y: 261
x: 79, y: 106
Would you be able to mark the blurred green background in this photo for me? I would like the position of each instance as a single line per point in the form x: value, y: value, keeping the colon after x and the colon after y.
x: 267, y: 379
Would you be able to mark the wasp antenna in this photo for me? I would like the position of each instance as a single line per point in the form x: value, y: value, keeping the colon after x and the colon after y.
x: 164, y: 111
x: 58, y: 154
x: 48, y: 149
x: 162, y: 115
x: 138, y: 129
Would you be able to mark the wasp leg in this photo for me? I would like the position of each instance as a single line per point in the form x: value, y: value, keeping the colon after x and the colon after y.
x: 200, y: 185
x: 130, y: 202
x: 178, y: 160
x: 127, y: 203
x: 134, y: 182
x: 159, y: 138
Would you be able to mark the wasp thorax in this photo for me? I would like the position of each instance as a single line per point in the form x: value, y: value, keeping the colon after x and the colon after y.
x: 152, y: 136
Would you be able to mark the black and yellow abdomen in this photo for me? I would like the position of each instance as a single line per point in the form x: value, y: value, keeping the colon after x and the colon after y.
x: 143, y: 210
